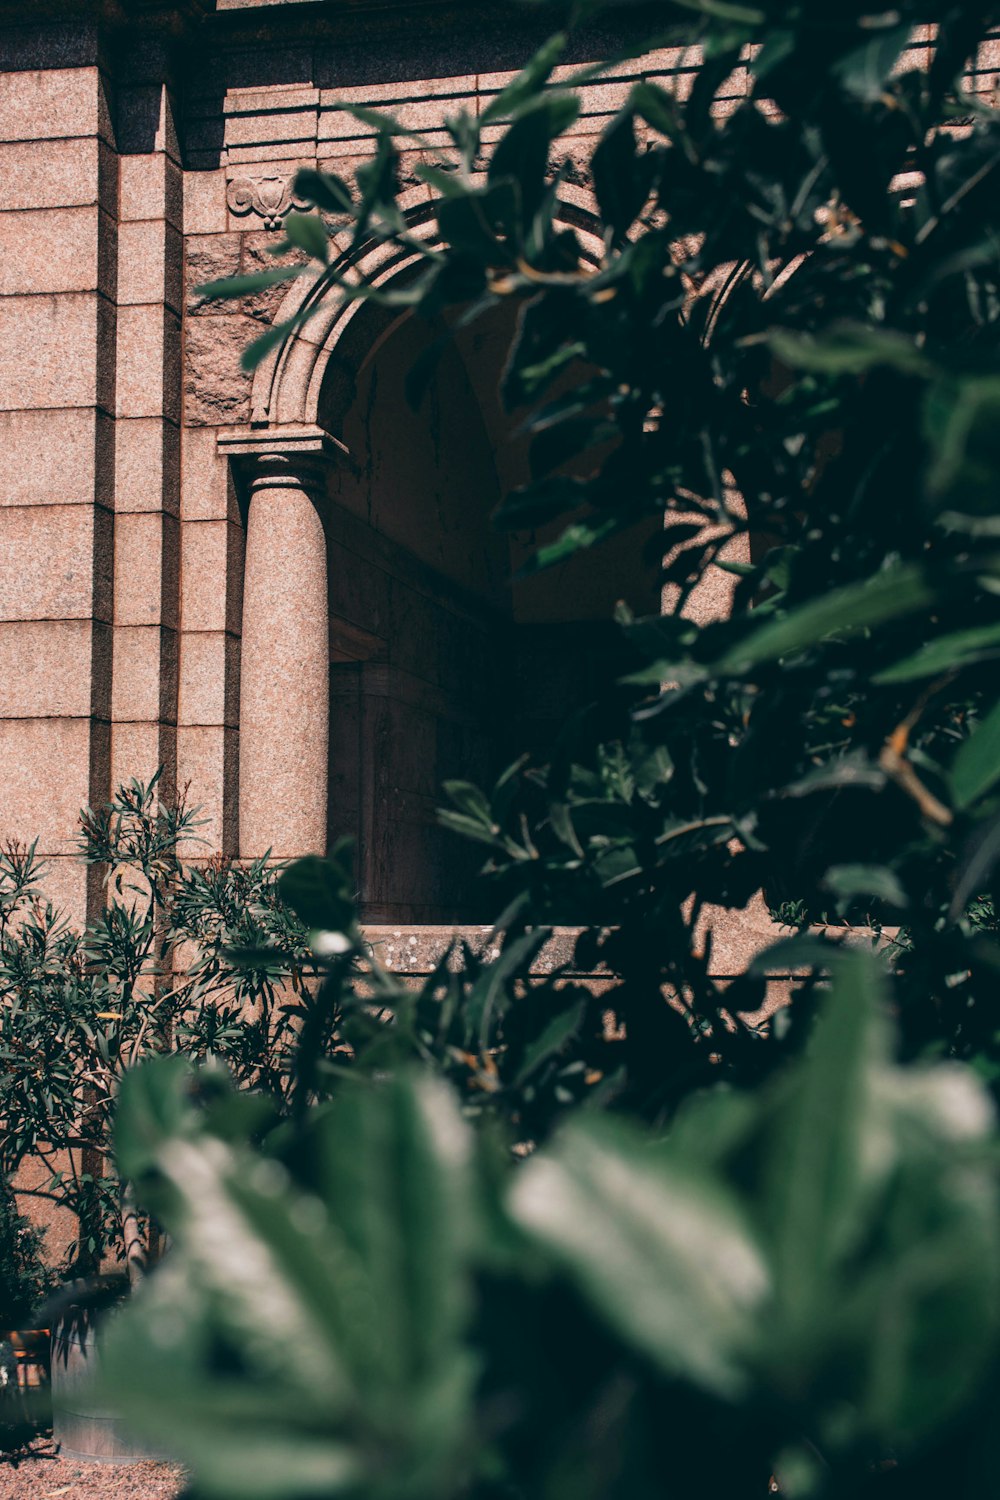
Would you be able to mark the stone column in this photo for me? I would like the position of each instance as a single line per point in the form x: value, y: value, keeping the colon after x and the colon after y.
x: 285, y: 659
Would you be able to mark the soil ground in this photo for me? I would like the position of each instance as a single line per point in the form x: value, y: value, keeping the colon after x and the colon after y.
x: 38, y: 1473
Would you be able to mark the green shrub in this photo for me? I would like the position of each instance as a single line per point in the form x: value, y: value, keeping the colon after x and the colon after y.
x: 153, y: 972
x: 25, y: 1280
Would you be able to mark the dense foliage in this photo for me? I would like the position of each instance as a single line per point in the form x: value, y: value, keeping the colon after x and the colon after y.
x: 789, y: 336
x: 153, y: 972
x: 595, y: 1262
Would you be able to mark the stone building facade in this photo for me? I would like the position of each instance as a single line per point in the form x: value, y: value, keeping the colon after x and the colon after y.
x: 282, y: 589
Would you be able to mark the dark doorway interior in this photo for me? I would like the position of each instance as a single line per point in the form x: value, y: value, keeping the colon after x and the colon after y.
x: 441, y: 666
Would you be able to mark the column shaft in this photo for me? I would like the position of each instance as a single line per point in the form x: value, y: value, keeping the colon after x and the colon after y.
x: 285, y: 669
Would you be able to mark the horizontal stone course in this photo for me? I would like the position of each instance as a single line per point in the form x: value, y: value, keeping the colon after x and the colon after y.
x: 49, y: 174
x: 147, y: 380
x: 60, y: 556
x: 55, y: 457
x: 53, y: 104
x: 53, y: 351
x: 48, y: 776
x: 148, y: 465
x: 47, y: 667
x: 56, y: 250
x: 211, y: 575
x: 146, y: 563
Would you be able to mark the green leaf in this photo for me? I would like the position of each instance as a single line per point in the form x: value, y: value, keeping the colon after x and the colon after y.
x: 308, y: 232
x: 961, y: 422
x: 663, y: 1254
x: 154, y: 1105
x: 962, y: 648
x: 325, y: 189
x: 656, y: 106
x: 820, y: 1172
x: 621, y: 176
x: 890, y: 595
x: 471, y: 800
x: 323, y: 1331
x: 560, y: 1030
x: 277, y: 334
x: 870, y: 881
x: 849, y: 349
x: 243, y: 286
x: 976, y: 767
x: 321, y: 891
x: 528, y: 84
x: 864, y: 72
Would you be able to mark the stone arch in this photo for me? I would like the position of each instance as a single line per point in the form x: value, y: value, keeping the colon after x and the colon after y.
x: 287, y: 383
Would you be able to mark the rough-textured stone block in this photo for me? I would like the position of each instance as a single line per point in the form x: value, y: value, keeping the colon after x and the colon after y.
x: 54, y: 351
x: 207, y: 490
x: 211, y: 575
x: 209, y: 679
x: 145, y: 673
x: 53, y: 104
x: 148, y: 465
x: 48, y: 174
x: 216, y: 389
x: 49, y: 774
x: 146, y: 562
x: 54, y: 250
x: 207, y: 763
x: 48, y: 667
x: 209, y: 257
x: 60, y: 556
x: 54, y: 457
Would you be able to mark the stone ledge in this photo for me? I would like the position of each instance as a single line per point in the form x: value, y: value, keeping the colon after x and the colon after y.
x: 412, y: 950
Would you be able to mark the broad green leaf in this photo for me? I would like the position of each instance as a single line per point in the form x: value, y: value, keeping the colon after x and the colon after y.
x: 528, y: 84
x: 849, y: 349
x: 277, y: 334
x: 664, y: 1255
x: 962, y: 648
x: 325, y: 189
x: 621, y: 175
x: 346, y: 1306
x: 976, y: 767
x: 243, y: 286
x: 874, y: 881
x: 865, y: 71
x: 823, y: 1160
x: 890, y: 595
x: 321, y: 891
x: 961, y: 422
x: 472, y: 801
x: 560, y: 1030
x: 308, y: 232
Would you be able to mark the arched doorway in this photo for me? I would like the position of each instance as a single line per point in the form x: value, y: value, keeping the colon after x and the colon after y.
x: 443, y: 665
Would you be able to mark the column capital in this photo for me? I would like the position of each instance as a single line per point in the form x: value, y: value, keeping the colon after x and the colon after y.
x: 288, y: 442
x: 285, y: 457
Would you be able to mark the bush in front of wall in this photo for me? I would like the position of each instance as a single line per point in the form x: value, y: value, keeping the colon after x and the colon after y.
x: 153, y: 972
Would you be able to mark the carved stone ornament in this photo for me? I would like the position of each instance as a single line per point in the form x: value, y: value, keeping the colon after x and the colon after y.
x: 269, y: 197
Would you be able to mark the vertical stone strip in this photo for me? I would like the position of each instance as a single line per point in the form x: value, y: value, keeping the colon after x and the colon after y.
x: 147, y: 428
x: 58, y: 254
x: 285, y: 659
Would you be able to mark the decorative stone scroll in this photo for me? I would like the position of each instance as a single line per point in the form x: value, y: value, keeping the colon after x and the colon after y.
x: 270, y: 198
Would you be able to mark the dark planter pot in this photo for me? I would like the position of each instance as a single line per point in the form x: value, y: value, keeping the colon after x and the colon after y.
x: 83, y: 1426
